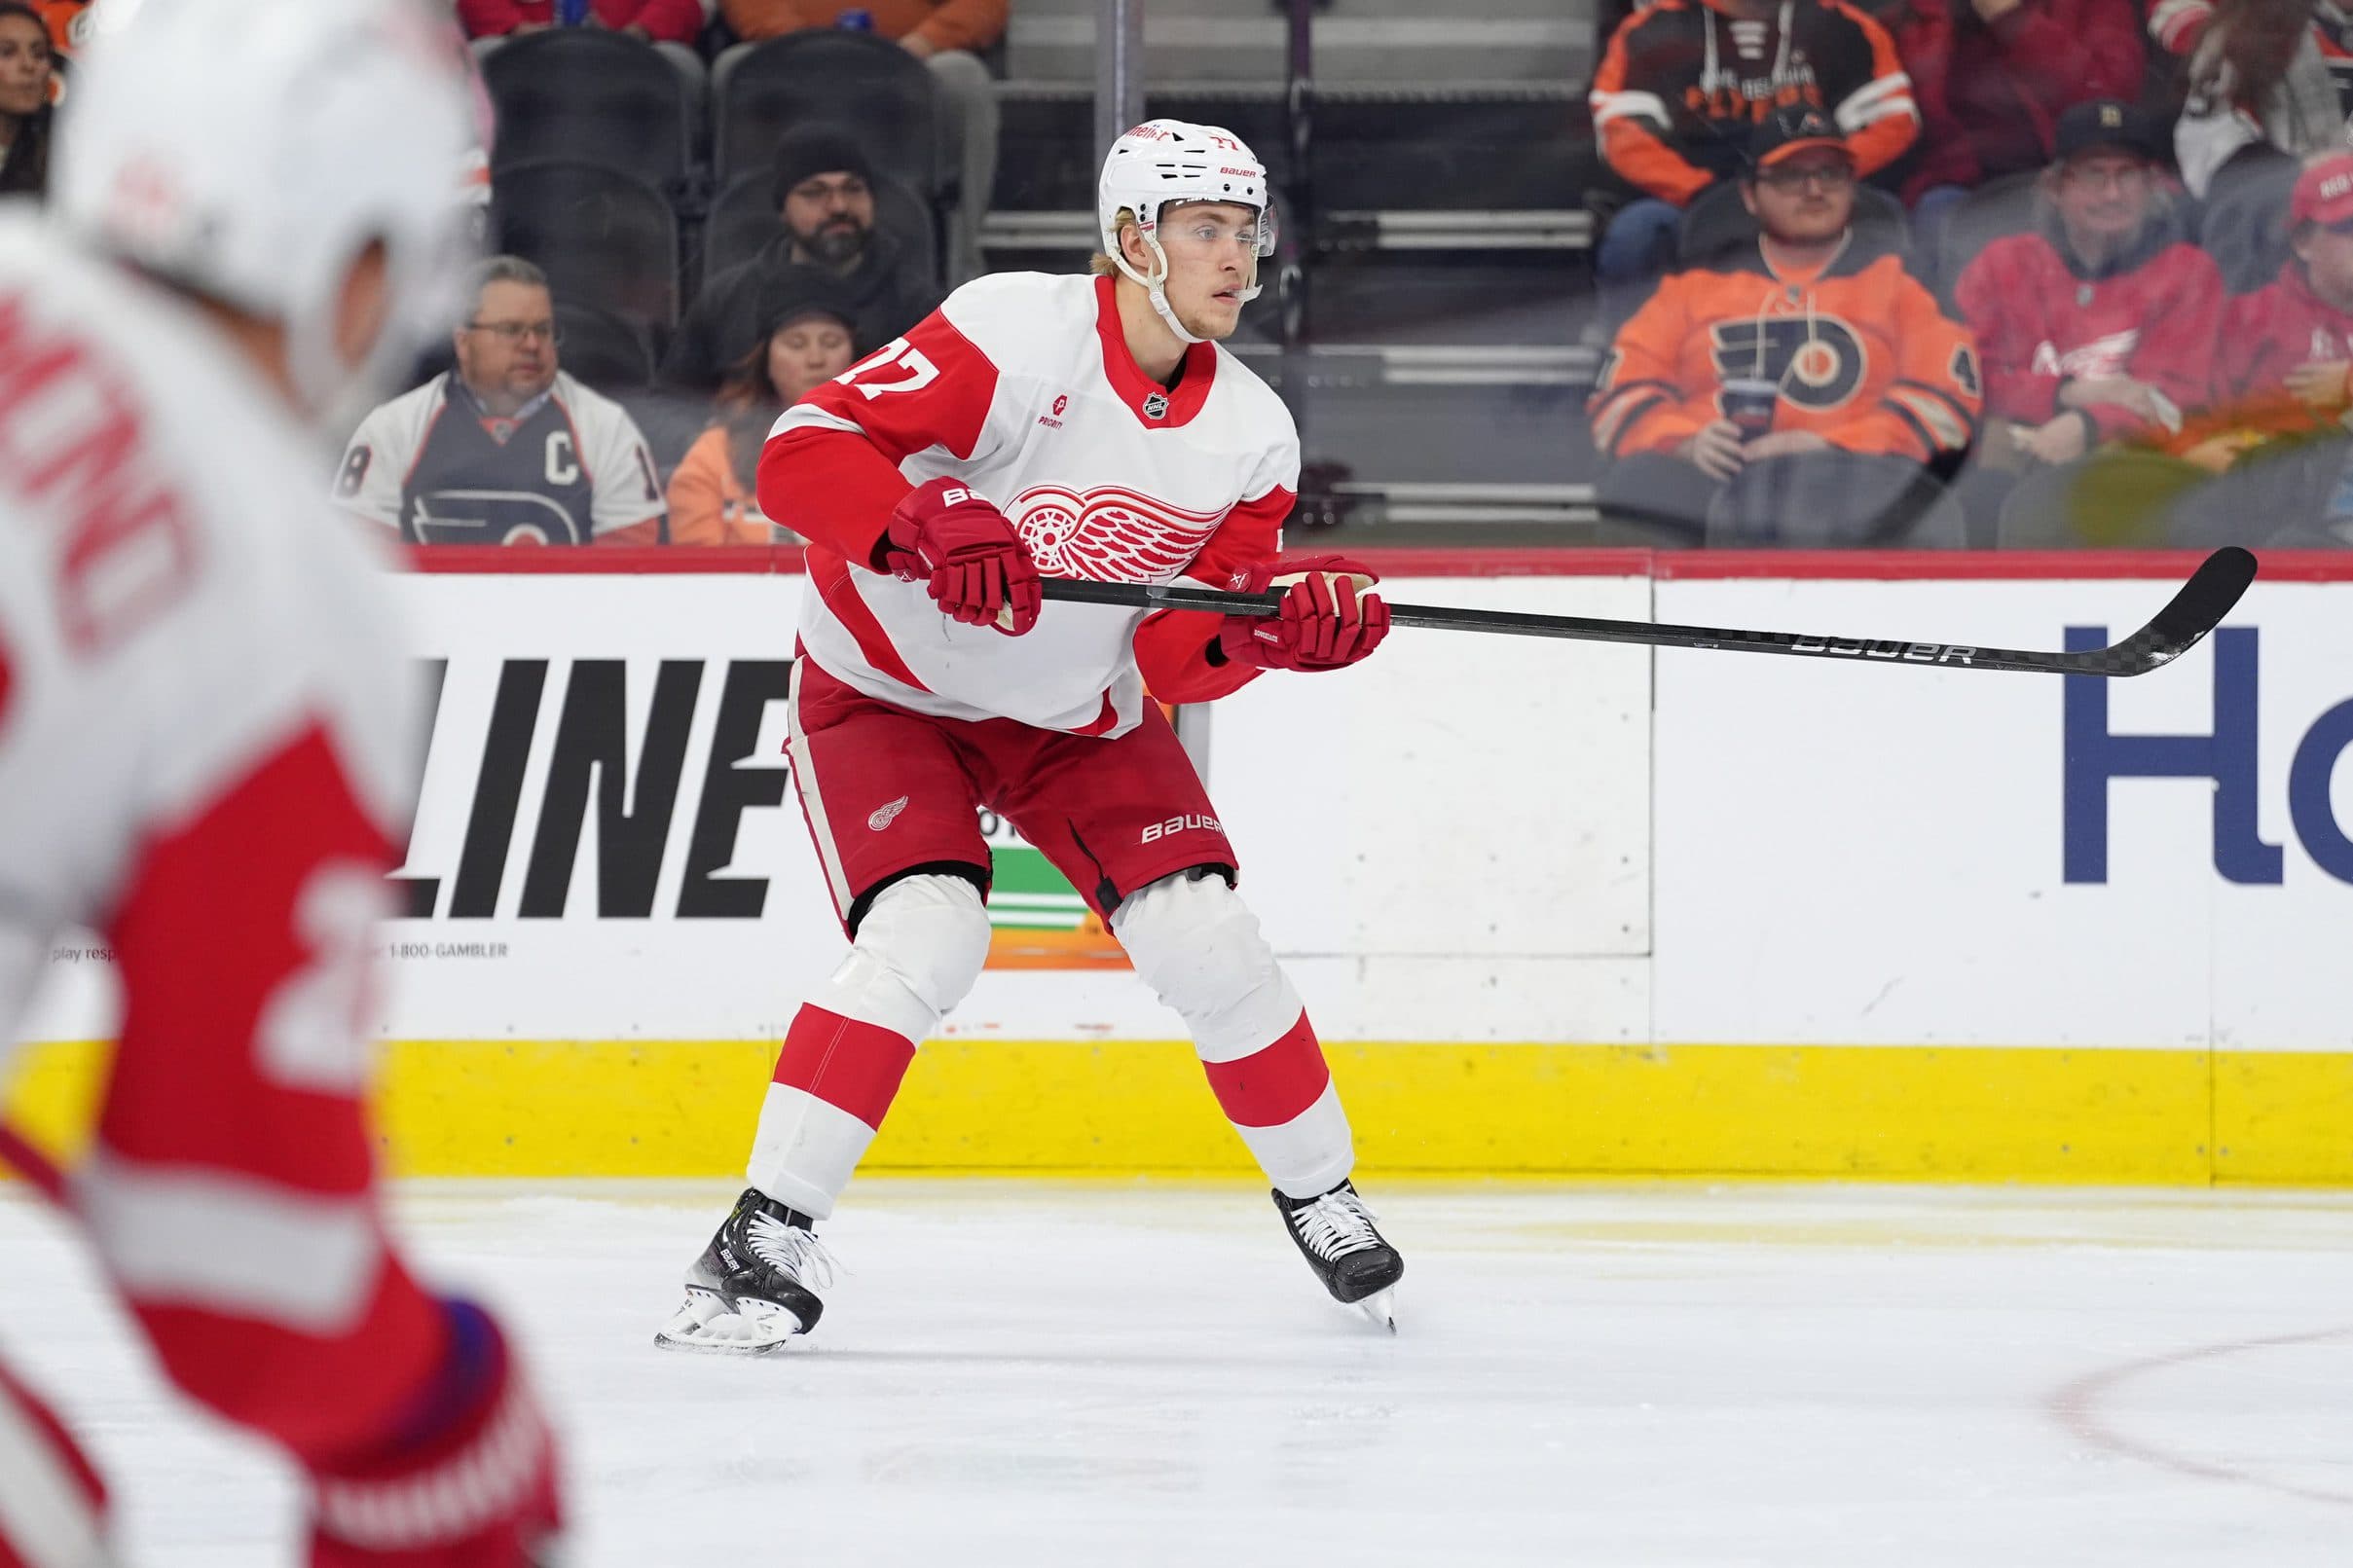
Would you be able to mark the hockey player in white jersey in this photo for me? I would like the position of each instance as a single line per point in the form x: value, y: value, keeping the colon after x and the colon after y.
x: 205, y: 744
x: 1082, y: 427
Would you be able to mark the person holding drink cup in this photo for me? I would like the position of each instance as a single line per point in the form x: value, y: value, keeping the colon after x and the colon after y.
x: 1801, y: 388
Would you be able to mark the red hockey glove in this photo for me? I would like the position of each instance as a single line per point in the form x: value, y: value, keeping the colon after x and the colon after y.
x: 471, y: 1484
x: 1328, y: 621
x: 979, y: 571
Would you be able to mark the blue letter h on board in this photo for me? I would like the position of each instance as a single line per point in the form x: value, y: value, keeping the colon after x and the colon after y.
x: 2094, y: 756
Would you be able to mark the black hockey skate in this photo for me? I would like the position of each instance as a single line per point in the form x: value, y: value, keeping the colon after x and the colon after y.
x: 756, y: 1285
x: 1356, y: 1264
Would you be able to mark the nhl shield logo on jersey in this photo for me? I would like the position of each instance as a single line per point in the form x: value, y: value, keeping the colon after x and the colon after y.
x: 1155, y: 406
x: 1109, y: 535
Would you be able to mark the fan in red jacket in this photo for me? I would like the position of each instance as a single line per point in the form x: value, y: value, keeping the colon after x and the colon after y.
x: 659, y: 22
x: 2100, y: 322
x: 1992, y: 78
x: 2284, y: 365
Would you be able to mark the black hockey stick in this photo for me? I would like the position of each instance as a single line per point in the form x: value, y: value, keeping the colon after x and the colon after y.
x: 2192, y: 612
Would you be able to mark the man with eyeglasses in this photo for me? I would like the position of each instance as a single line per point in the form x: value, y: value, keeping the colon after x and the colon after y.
x: 824, y: 191
x: 2098, y: 325
x: 505, y: 449
x: 1798, y: 389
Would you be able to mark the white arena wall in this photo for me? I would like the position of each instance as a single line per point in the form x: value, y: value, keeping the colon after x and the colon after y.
x: 1556, y: 907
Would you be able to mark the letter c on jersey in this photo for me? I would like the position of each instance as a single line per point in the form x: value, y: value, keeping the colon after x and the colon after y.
x: 563, y: 464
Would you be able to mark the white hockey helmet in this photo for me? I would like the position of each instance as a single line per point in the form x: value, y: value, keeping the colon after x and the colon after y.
x: 250, y: 152
x: 1162, y: 162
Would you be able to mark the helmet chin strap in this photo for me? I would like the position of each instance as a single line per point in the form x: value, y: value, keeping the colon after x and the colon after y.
x: 1155, y: 287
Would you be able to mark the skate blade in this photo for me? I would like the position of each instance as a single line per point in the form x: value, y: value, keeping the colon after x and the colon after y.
x: 704, y: 1325
x: 1380, y: 1307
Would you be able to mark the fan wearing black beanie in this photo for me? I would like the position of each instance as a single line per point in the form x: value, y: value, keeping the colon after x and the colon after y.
x: 806, y: 337
x: 824, y: 188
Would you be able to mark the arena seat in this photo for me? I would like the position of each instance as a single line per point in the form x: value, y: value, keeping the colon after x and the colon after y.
x: 868, y: 84
x: 604, y: 239
x: 593, y: 97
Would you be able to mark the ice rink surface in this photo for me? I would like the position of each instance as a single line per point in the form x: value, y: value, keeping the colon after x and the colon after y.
x: 1057, y: 1375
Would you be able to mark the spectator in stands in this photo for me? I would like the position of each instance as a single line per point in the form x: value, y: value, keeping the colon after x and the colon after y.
x: 1992, y: 78
x: 2097, y: 326
x: 948, y: 36
x: 805, y: 340
x: 656, y: 21
x: 2264, y: 76
x: 1796, y: 393
x: 26, y: 65
x: 505, y: 449
x: 1684, y: 82
x: 824, y: 197
x: 2284, y: 390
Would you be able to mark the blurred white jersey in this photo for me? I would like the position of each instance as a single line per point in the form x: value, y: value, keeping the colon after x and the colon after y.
x: 181, y: 609
x: 1021, y: 387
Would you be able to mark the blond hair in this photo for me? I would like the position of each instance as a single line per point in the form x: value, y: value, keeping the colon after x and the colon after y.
x: 1101, y: 264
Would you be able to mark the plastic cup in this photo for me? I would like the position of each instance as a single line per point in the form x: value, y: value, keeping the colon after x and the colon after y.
x: 1750, y: 403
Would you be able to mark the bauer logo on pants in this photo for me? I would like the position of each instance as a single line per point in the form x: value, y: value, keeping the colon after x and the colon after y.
x: 1179, y: 824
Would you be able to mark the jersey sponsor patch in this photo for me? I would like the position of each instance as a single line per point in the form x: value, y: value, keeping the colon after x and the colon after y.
x: 1109, y: 535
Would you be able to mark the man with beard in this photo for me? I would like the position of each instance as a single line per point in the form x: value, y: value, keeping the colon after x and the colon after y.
x: 825, y: 198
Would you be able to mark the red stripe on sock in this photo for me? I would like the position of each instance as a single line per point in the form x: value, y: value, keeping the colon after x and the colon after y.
x: 75, y: 1463
x: 849, y: 1064
x: 1269, y: 1087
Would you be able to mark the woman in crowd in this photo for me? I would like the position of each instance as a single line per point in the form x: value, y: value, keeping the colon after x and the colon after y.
x: 805, y: 341
x: 27, y: 66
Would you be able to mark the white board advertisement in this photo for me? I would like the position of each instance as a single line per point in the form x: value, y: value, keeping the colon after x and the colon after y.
x: 1448, y: 841
x: 1852, y: 855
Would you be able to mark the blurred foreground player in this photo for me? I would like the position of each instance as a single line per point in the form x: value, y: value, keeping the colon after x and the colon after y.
x: 203, y: 747
x: 1087, y: 427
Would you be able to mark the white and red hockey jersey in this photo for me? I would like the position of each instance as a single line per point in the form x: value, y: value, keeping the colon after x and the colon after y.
x: 204, y: 750
x: 1021, y: 387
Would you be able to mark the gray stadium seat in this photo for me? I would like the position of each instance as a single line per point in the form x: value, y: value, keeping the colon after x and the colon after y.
x: 607, y: 351
x: 859, y: 81
x: 604, y: 238
x: 593, y: 97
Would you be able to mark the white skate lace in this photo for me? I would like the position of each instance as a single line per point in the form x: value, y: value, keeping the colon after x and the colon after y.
x: 1336, y: 1225
x: 795, y: 1252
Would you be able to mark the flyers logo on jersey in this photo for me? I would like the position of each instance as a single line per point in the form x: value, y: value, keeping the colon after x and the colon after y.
x: 1818, y: 359
x: 1109, y: 535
